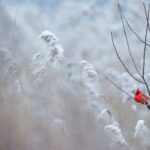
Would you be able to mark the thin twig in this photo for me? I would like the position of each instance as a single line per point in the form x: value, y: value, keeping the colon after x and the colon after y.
x: 119, y: 88
x: 134, y: 31
x: 147, y: 15
x: 122, y: 90
x: 144, y: 53
x: 147, y: 25
x: 146, y: 86
x: 127, y: 41
x: 125, y: 67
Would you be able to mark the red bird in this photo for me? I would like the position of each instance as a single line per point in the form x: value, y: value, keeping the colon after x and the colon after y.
x: 140, y: 97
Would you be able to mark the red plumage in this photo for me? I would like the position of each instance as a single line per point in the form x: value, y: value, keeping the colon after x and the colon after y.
x: 140, y: 97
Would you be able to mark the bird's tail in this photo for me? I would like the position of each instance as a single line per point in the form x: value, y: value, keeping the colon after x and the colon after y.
x: 148, y: 105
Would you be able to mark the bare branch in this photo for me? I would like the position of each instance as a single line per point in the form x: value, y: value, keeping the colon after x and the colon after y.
x: 125, y: 67
x: 147, y: 15
x: 122, y: 90
x: 134, y: 31
x: 144, y: 53
x: 147, y: 26
x: 119, y: 87
x: 124, y: 30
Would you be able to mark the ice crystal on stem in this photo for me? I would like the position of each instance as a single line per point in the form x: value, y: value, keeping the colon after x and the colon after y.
x: 56, y: 51
x: 142, y: 133
x: 116, y: 134
x: 89, y: 77
x: 105, y: 116
x: 39, y: 68
x: 54, y: 56
x: 9, y: 61
x: 10, y: 67
x: 140, y: 128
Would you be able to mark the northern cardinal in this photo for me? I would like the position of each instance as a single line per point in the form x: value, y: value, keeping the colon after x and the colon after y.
x: 140, y: 97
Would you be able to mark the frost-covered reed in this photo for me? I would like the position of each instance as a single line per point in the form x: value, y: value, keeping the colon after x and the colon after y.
x: 71, y: 106
x: 89, y: 76
x: 115, y: 134
x: 54, y: 56
x: 142, y: 133
x: 56, y: 51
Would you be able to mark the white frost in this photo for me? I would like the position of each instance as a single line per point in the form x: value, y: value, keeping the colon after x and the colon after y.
x: 140, y: 127
x: 116, y: 134
x: 56, y: 51
x: 105, y: 116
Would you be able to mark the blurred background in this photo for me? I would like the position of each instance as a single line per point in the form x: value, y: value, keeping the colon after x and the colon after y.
x: 44, y: 107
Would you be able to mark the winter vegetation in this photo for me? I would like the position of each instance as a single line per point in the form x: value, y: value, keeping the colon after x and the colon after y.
x: 69, y: 70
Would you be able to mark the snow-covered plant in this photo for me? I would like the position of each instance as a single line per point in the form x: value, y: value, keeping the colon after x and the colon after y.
x: 39, y: 68
x: 111, y: 127
x: 49, y: 37
x: 40, y: 62
x: 116, y: 134
x: 142, y: 132
x: 9, y: 65
x: 89, y: 76
x: 9, y: 68
x: 141, y: 129
x: 60, y: 105
x: 105, y: 116
x: 56, y: 51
